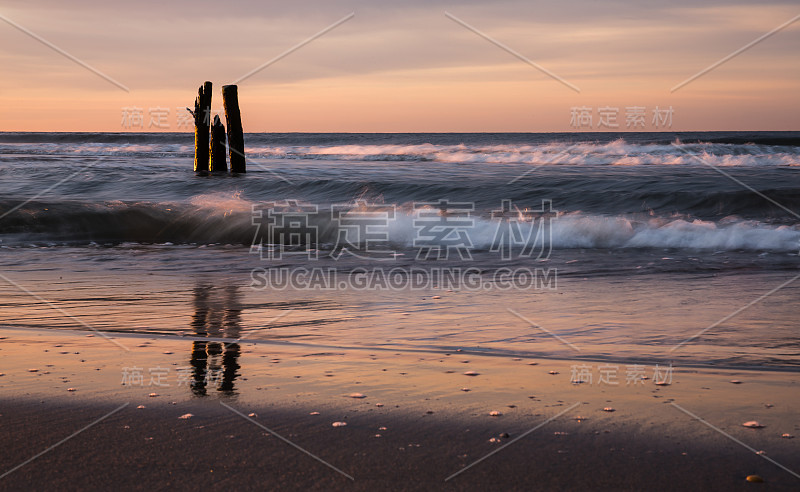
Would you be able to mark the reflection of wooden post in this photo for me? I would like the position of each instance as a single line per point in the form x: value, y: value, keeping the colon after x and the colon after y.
x: 230, y: 99
x: 202, y: 116
x: 218, y: 146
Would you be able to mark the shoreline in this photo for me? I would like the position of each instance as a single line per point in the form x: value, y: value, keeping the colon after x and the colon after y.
x: 461, y: 350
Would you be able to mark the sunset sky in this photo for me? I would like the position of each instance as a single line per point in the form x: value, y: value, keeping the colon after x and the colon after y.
x: 400, y: 66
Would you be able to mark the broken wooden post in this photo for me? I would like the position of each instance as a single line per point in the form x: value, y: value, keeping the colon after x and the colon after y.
x: 233, y: 120
x: 218, y: 163
x: 202, y: 116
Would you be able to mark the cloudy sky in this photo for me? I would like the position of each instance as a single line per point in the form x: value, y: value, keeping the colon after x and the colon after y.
x: 399, y: 66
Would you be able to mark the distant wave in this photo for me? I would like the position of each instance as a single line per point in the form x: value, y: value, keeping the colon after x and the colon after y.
x: 617, y: 152
x: 227, y: 219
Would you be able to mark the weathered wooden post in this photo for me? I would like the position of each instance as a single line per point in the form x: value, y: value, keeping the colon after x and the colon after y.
x: 202, y: 117
x: 233, y: 120
x: 218, y: 163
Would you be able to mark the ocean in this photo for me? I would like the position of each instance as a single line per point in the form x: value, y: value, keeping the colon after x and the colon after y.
x: 627, y: 248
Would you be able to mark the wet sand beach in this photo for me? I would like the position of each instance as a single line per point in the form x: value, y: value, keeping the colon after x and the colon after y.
x: 413, y: 421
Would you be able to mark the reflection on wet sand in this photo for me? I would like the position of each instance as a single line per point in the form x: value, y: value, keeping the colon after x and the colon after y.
x: 217, y: 314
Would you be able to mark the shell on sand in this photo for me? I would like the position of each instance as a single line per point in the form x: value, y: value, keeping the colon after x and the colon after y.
x: 153, y: 395
x: 735, y: 381
x: 140, y: 407
x: 379, y: 404
x: 753, y: 424
x: 314, y: 413
x: 787, y: 436
x: 465, y: 389
x: 495, y: 413
x: 252, y: 414
x: 661, y: 383
x: 33, y: 370
x: 72, y: 389
x: 339, y: 424
x: 609, y: 409
x: 553, y: 373
x: 356, y: 395
x: 186, y: 416
x: 755, y: 478
x: 471, y: 373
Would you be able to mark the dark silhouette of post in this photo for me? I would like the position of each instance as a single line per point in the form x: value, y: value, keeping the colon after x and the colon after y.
x: 218, y: 163
x: 233, y: 121
x: 202, y: 118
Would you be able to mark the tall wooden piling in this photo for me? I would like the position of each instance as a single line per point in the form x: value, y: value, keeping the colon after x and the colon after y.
x: 202, y: 117
x: 233, y: 120
x: 218, y: 163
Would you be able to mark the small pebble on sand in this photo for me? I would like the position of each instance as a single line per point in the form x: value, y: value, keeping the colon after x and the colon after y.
x: 141, y: 407
x: 33, y: 370
x: 153, y: 395
x: 314, y: 413
x: 339, y: 424
x: 356, y: 395
x: 787, y: 436
x: 252, y: 414
x: 186, y: 416
x: 755, y: 479
x: 609, y: 409
x: 471, y: 373
x: 753, y: 424
x: 495, y: 413
x: 552, y: 373
x: 735, y: 381
x: 465, y: 389
x: 72, y: 389
x: 379, y: 404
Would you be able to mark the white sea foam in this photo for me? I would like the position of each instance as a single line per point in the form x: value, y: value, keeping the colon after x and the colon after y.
x: 579, y: 230
x: 616, y: 153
